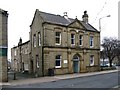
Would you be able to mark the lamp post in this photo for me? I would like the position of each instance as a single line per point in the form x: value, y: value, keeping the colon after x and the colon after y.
x: 100, y: 21
x: 100, y: 28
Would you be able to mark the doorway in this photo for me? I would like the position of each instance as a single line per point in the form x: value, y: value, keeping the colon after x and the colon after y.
x: 31, y: 66
x: 76, y: 64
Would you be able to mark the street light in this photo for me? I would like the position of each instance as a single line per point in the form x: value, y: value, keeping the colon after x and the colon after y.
x: 100, y: 22
x: 100, y: 28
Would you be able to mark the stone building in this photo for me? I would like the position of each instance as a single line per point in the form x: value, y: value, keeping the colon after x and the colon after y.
x: 3, y: 45
x: 119, y: 20
x: 20, y: 57
x: 64, y: 44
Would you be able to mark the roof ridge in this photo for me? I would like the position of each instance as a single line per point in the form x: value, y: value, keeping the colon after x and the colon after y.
x: 58, y: 19
x: 51, y: 14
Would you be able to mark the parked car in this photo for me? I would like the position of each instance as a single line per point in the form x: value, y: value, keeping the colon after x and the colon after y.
x: 117, y: 66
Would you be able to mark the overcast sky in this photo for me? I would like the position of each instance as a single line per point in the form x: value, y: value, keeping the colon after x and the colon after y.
x: 21, y: 13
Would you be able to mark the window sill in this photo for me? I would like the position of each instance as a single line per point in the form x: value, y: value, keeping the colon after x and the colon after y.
x: 73, y: 45
x: 57, y: 66
x: 80, y: 45
x: 57, y: 44
x: 91, y: 46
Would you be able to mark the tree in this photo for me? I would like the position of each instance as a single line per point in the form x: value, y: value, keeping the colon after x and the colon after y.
x: 117, y: 52
x: 103, y: 56
x: 110, y: 48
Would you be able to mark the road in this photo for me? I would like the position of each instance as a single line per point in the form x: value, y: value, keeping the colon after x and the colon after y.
x: 108, y: 80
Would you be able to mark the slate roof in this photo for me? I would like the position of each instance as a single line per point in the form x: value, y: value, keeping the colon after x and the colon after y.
x: 57, y: 19
x: 3, y: 12
x: 22, y: 43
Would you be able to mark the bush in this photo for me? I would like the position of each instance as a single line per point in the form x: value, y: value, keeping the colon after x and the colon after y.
x: 107, y: 68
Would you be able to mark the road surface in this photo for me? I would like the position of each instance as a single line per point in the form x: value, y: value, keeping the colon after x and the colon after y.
x: 109, y: 80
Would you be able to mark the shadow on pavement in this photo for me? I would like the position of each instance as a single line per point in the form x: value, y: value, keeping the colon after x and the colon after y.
x: 19, y: 75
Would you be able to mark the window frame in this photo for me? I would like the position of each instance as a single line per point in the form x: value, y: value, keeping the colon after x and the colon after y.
x: 37, y: 61
x: 91, y: 41
x: 73, y: 38
x: 60, y: 60
x: 92, y: 59
x: 34, y: 40
x: 58, y: 37
x: 15, y: 52
x: 81, y: 40
x: 39, y: 39
x: 26, y: 50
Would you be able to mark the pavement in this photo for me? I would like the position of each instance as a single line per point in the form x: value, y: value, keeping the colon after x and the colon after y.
x: 53, y: 78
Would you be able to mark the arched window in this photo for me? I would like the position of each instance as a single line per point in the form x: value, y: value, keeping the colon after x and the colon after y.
x: 39, y: 39
x: 76, y: 58
x: 34, y: 40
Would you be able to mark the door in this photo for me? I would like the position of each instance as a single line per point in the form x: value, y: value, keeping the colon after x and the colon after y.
x: 31, y: 67
x: 76, y: 66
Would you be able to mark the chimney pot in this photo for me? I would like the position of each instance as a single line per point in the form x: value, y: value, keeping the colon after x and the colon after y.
x: 85, y: 17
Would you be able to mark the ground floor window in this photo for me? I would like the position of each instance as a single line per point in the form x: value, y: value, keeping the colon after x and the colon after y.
x: 37, y: 60
x: 58, y: 61
x: 91, y: 60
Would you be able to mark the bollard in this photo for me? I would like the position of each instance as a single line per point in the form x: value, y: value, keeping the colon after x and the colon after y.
x: 14, y: 74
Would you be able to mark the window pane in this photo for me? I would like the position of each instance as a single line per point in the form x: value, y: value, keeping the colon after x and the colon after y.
x: 57, y: 40
x: 72, y: 38
x: 80, y: 39
x: 57, y: 37
x: 72, y: 41
x: 58, y: 60
x: 57, y: 33
x: 37, y: 60
x: 58, y: 57
x: 72, y: 35
x: 57, y: 63
x: 39, y: 39
x: 34, y: 40
x: 76, y: 57
x: 91, y: 60
x: 91, y: 40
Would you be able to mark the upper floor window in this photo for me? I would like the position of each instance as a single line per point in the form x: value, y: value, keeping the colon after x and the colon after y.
x: 39, y: 39
x: 58, y: 61
x: 34, y: 40
x: 15, y: 52
x: 26, y: 50
x: 80, y: 40
x: 91, y: 60
x: 91, y: 41
x: 72, y: 39
x: 57, y: 38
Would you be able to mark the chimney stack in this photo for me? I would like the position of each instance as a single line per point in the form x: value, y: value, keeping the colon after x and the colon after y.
x: 65, y: 15
x: 85, y: 17
x: 20, y: 41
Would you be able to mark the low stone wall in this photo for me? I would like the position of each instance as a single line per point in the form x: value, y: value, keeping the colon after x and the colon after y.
x: 92, y: 68
x: 61, y: 71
